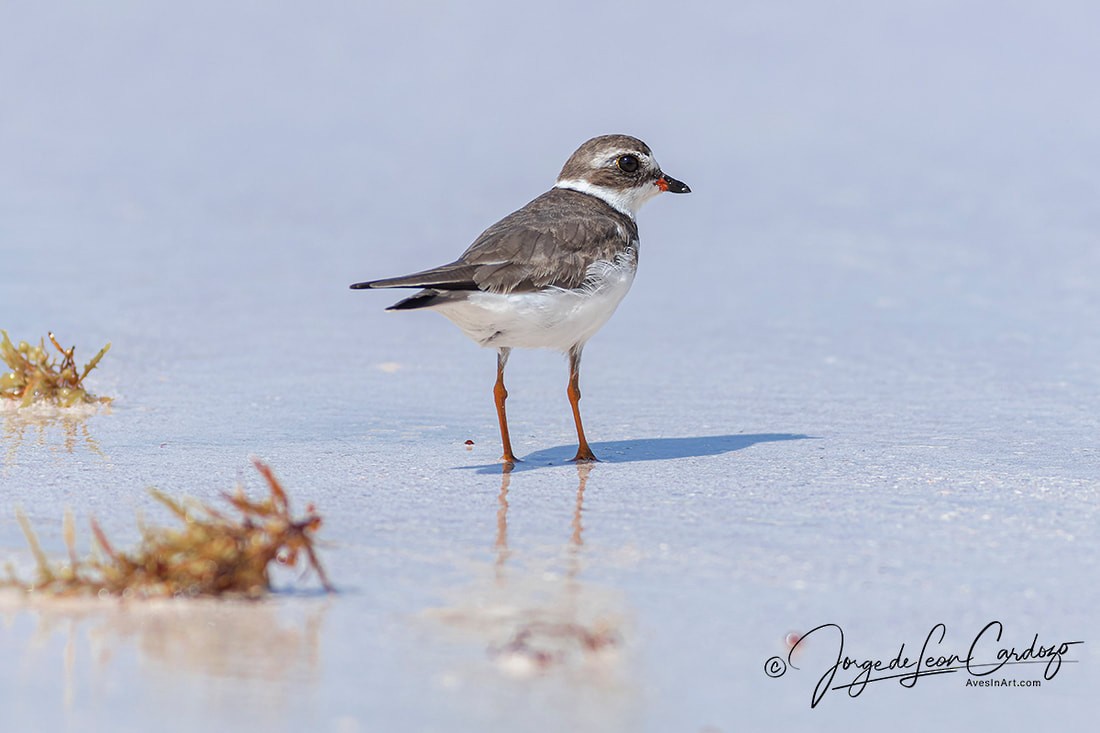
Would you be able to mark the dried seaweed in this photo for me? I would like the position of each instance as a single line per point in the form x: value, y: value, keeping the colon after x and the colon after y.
x: 37, y: 376
x: 211, y: 555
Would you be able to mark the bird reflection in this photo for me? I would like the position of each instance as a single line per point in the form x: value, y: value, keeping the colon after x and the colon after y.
x: 576, y: 540
x: 547, y: 623
x: 502, y: 523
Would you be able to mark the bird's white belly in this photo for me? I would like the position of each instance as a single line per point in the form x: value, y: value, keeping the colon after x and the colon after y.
x: 553, y: 318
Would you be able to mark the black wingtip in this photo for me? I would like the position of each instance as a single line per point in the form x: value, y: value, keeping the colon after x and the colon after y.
x: 362, y: 286
x: 423, y: 299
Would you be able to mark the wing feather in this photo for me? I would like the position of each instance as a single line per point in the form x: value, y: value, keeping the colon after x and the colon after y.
x: 550, y: 242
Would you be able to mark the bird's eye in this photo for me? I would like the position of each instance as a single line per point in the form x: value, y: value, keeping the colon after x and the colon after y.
x: 627, y: 163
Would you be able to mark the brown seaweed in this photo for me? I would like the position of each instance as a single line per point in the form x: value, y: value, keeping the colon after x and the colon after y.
x: 212, y: 554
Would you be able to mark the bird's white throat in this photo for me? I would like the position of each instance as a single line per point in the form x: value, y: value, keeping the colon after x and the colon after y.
x: 624, y: 200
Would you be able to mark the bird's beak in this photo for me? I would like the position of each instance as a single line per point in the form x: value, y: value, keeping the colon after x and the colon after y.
x: 670, y: 184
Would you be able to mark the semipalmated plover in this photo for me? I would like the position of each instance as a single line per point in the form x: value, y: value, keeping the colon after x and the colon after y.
x: 550, y: 274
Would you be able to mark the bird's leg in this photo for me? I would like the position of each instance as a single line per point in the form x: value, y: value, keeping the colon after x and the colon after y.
x: 584, y: 453
x: 501, y: 394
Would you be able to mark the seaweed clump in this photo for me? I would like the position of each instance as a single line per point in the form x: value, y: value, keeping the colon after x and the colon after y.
x: 211, y: 555
x: 38, y: 376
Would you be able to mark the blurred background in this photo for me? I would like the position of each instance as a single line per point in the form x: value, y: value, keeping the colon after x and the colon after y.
x: 855, y: 167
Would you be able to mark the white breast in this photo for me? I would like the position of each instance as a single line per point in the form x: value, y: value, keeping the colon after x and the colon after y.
x: 552, y: 318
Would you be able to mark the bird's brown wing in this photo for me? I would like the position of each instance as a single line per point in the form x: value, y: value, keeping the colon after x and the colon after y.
x: 455, y: 276
x: 549, y: 242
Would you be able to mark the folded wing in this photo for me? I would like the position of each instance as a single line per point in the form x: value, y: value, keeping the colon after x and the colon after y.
x: 551, y: 242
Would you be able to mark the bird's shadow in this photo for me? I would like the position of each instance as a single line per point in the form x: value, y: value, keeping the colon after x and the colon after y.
x: 643, y: 449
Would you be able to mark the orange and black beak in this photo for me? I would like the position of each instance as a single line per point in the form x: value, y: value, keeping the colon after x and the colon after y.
x: 670, y: 184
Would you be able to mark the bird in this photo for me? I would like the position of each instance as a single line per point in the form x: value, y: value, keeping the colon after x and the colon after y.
x: 550, y: 274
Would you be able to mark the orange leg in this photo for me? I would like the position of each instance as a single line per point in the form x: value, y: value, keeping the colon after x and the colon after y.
x: 584, y: 453
x: 501, y: 394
